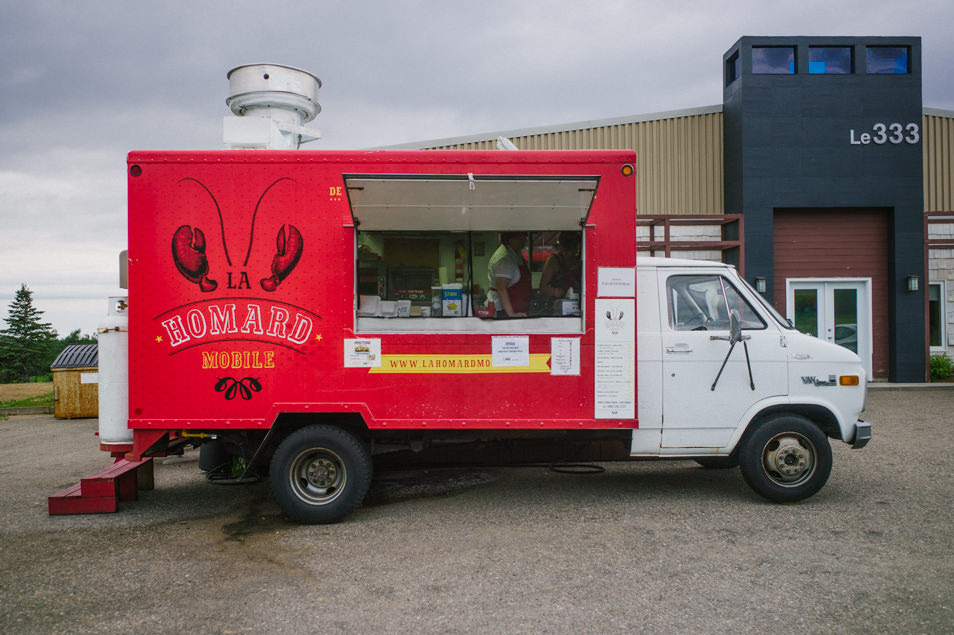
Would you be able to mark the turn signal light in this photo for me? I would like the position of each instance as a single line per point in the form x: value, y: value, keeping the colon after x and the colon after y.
x: 848, y: 380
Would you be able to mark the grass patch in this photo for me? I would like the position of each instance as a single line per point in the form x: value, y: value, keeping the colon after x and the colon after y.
x: 45, y: 399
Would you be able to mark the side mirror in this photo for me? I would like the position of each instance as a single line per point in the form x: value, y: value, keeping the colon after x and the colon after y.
x: 735, y: 327
x: 735, y: 336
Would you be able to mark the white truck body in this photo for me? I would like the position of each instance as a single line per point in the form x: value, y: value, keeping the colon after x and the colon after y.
x: 792, y: 373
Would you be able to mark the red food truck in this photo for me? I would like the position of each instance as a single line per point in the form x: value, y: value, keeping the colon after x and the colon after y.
x: 304, y: 314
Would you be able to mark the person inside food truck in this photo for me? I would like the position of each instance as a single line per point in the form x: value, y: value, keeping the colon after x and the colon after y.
x: 562, y: 270
x: 509, y: 277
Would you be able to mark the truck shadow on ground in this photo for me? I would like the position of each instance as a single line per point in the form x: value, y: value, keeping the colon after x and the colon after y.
x: 396, y: 486
x: 641, y: 481
x: 387, y: 488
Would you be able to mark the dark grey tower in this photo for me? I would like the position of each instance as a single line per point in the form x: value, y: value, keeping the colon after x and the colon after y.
x: 829, y: 127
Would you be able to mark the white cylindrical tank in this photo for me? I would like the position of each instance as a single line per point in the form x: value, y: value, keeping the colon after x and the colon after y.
x: 282, y: 93
x: 114, y: 375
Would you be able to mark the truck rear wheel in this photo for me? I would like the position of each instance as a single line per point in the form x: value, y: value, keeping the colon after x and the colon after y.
x: 320, y: 474
x: 787, y: 458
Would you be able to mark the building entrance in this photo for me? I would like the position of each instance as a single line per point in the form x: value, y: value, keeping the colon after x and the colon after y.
x: 838, y: 245
x: 836, y: 310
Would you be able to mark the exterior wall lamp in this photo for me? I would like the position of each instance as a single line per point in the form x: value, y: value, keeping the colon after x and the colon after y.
x: 913, y: 283
x: 760, y: 284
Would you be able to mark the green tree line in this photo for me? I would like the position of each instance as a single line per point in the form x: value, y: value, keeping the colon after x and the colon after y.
x: 28, y: 345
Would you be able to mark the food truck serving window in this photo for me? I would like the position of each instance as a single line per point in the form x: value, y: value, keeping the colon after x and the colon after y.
x: 468, y: 253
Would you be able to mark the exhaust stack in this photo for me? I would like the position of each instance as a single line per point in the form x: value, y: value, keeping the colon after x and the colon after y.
x: 271, y: 104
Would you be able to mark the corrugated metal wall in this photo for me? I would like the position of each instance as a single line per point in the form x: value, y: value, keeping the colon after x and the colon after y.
x: 679, y: 167
x: 938, y: 144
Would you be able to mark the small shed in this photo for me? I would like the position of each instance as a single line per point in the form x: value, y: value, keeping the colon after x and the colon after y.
x: 76, y: 382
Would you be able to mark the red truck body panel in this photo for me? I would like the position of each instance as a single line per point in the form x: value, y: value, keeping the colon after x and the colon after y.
x: 233, y: 337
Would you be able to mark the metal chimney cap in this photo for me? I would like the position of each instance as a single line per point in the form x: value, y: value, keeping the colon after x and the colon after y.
x: 265, y: 66
x: 273, y: 85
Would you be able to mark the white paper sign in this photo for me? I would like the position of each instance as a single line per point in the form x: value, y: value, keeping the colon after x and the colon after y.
x: 616, y: 282
x: 565, y: 356
x: 511, y: 351
x: 362, y: 353
x: 89, y: 378
x: 614, y: 374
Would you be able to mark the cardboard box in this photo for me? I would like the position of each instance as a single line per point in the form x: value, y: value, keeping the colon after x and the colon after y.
x: 453, y: 299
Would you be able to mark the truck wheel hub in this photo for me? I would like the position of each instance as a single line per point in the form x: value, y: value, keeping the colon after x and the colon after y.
x: 322, y: 473
x: 789, y: 459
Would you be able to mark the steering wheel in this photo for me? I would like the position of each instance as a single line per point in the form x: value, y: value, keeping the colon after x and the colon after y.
x: 698, y: 322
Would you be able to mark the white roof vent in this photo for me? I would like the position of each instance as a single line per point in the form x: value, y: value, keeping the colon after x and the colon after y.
x: 271, y: 103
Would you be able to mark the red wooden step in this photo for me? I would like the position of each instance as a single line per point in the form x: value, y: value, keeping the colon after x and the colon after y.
x: 98, y: 493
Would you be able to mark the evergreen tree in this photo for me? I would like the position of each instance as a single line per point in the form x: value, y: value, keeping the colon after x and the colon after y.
x: 75, y: 337
x: 26, y: 342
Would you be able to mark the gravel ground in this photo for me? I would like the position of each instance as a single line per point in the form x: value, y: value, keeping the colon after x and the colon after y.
x: 648, y: 546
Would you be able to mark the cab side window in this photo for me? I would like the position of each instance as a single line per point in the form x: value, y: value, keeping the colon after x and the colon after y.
x: 747, y: 315
x: 704, y: 303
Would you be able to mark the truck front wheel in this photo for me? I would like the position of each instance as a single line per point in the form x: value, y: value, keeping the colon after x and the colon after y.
x: 787, y: 458
x: 320, y: 474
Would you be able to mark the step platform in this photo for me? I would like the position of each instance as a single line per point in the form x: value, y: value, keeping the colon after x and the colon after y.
x: 101, y: 492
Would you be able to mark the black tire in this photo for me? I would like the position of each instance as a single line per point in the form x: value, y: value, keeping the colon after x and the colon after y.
x: 718, y: 462
x: 785, y: 459
x: 214, y: 457
x: 320, y: 474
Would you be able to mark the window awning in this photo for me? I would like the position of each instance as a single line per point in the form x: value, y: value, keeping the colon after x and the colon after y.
x: 470, y: 202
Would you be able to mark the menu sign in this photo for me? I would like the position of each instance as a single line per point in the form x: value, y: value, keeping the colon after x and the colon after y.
x: 615, y: 359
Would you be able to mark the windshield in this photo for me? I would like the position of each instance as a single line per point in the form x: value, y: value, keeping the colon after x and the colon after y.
x: 785, y: 324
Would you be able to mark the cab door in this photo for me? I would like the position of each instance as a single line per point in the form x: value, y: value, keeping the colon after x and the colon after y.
x: 698, y: 410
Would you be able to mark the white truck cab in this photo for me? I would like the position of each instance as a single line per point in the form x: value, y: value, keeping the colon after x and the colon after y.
x: 723, y: 378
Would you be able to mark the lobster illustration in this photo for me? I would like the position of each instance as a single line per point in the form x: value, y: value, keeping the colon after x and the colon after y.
x: 188, y: 248
x: 287, y: 252
x: 188, y: 252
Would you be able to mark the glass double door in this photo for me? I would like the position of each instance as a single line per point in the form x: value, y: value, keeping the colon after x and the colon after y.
x: 837, y: 311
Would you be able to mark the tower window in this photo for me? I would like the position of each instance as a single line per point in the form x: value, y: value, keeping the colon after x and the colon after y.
x: 830, y: 60
x: 887, y: 60
x: 773, y: 60
x: 732, y: 69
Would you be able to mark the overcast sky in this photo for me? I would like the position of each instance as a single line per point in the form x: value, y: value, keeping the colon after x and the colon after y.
x: 87, y: 81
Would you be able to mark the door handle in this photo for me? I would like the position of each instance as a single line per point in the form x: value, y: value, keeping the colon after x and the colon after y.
x: 678, y: 349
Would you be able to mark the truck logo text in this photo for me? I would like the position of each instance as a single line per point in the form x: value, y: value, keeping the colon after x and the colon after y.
x: 820, y: 382
x: 250, y: 320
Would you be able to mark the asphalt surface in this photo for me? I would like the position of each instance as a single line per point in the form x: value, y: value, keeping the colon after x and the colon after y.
x: 647, y: 546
